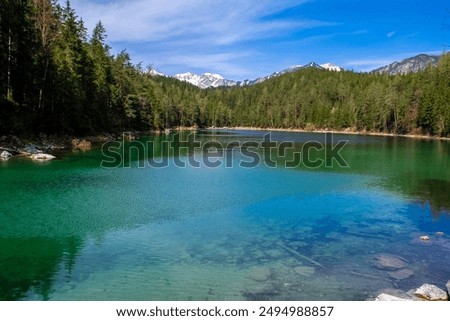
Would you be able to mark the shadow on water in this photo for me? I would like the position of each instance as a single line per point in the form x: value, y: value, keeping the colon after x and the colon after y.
x: 436, y: 192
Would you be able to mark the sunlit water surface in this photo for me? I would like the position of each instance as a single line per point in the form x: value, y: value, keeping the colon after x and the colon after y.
x: 71, y: 230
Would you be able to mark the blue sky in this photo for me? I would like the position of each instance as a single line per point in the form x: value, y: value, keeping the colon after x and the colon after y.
x: 246, y: 39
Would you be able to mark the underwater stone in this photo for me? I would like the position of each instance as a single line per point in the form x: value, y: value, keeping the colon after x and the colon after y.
x: 259, y: 274
x: 389, y: 262
x: 401, y: 274
x: 431, y: 292
x: 304, y: 270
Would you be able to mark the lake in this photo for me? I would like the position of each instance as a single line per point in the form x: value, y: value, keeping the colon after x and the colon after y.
x: 71, y: 229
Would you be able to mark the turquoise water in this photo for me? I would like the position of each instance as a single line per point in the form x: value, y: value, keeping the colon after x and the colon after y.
x: 72, y: 230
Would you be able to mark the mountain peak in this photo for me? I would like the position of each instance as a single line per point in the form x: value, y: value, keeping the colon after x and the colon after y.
x: 330, y: 66
x: 408, y: 65
x: 206, y: 80
x: 207, y: 74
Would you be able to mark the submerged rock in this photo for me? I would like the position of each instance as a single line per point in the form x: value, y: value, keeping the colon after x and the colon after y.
x: 388, y: 297
x: 42, y: 157
x: 401, y: 274
x: 431, y: 292
x: 5, y: 155
x: 305, y: 270
x: 389, y: 262
x: 260, y: 274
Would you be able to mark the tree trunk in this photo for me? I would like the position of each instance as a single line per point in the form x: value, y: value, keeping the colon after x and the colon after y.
x: 8, y: 82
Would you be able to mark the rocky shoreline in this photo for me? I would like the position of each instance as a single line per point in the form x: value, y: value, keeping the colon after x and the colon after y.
x: 42, y: 148
x: 13, y: 146
x: 426, y: 292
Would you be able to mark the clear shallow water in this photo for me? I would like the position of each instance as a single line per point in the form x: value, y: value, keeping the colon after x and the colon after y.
x: 70, y: 230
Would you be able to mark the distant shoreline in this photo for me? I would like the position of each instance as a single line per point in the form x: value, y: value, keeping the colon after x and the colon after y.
x: 323, y: 131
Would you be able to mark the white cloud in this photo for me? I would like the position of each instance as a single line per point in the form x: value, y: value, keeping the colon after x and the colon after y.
x: 221, y: 22
x: 210, y: 36
x: 391, y: 34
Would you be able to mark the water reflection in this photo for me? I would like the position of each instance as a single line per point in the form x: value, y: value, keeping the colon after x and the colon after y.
x: 28, y: 266
x: 416, y: 168
x: 71, y: 230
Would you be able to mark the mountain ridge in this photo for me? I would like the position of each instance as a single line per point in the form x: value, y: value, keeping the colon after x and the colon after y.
x: 408, y: 65
x: 214, y: 80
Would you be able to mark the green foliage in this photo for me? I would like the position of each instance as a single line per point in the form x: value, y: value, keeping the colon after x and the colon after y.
x: 56, y: 79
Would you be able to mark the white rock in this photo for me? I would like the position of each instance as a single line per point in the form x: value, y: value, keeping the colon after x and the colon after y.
x: 431, y: 292
x: 388, y: 297
x: 42, y: 157
x: 448, y: 287
x: 5, y: 155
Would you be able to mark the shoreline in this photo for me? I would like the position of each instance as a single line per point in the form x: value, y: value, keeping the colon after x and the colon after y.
x: 15, y: 145
x: 324, y: 131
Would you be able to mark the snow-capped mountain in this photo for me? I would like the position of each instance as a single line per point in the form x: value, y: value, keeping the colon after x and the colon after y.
x: 206, y: 80
x: 409, y: 65
x: 154, y: 72
x: 332, y: 67
x: 294, y: 68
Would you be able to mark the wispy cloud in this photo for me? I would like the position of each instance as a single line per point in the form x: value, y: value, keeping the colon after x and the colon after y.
x: 391, y: 34
x: 367, y: 64
x: 203, y: 34
x: 221, y: 22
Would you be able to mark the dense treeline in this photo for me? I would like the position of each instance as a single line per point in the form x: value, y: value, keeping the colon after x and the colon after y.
x: 55, y: 78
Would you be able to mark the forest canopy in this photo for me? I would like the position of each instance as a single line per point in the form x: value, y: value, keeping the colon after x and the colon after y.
x: 56, y: 78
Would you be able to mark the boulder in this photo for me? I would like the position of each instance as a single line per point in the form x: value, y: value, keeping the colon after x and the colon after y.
x: 448, y: 287
x: 388, y: 297
x: 5, y: 155
x: 30, y: 149
x: 401, y: 274
x: 389, y: 262
x: 81, y: 144
x: 42, y: 157
x: 431, y: 292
